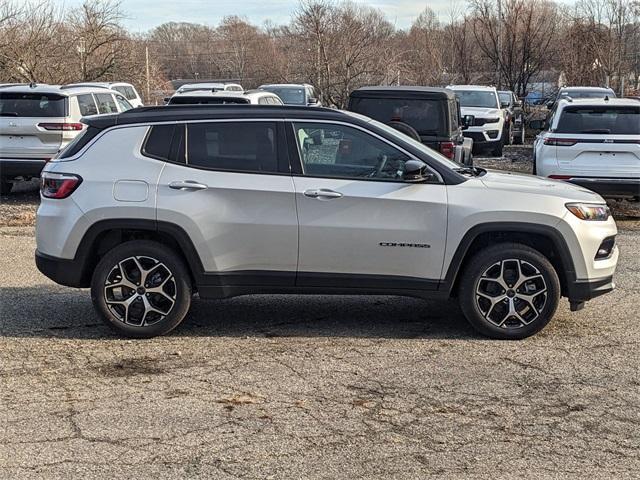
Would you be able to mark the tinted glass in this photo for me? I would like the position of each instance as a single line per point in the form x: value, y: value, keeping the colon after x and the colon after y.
x: 158, y: 142
x: 240, y: 146
x: 106, y: 104
x: 328, y: 150
x: 198, y: 100
x: 600, y: 120
x: 13, y: 104
x: 586, y: 94
x: 288, y: 95
x: 123, y: 103
x: 477, y: 98
x: 79, y: 142
x: 505, y: 97
x: 427, y: 117
x: 87, y: 105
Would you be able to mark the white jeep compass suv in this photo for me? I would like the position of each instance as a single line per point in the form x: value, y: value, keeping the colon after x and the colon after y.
x: 488, y: 129
x: 594, y: 143
x: 153, y: 205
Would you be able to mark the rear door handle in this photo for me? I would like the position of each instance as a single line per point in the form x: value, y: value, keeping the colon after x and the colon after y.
x: 322, y: 193
x: 187, y: 185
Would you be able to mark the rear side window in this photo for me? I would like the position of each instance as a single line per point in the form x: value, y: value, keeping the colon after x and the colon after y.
x: 128, y: 92
x: 31, y: 104
x: 79, y: 142
x: 106, y: 104
x: 236, y: 146
x: 165, y: 142
x: 87, y: 105
x: 600, y: 120
x: 123, y: 103
x: 427, y: 117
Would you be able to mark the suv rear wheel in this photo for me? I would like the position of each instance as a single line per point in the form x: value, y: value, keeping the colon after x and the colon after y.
x: 509, y: 291
x: 5, y: 186
x: 141, y: 289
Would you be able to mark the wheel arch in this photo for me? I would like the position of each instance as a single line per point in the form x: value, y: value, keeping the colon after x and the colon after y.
x: 103, y: 235
x: 545, y: 239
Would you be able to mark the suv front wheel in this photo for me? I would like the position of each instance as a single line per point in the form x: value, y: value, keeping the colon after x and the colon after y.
x: 141, y: 289
x: 509, y: 291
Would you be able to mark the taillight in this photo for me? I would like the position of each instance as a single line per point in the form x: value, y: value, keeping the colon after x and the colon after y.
x: 74, y: 127
x: 560, y: 142
x: 58, y: 185
x: 448, y: 149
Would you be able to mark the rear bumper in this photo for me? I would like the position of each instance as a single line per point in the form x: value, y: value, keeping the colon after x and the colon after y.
x: 60, y: 270
x: 585, y: 290
x: 23, y: 167
x: 610, y: 187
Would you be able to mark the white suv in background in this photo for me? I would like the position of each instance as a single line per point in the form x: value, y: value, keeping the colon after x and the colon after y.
x: 127, y: 90
x: 594, y: 143
x: 206, y: 97
x: 483, y: 103
x: 36, y: 121
x: 152, y: 205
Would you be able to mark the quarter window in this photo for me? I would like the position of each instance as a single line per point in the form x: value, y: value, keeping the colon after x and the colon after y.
x: 330, y: 150
x: 106, y: 104
x: 239, y: 146
x: 87, y: 105
x: 165, y: 142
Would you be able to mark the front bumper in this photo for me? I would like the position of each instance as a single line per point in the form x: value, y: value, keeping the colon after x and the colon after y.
x: 610, y: 187
x: 27, y: 167
x: 585, y: 290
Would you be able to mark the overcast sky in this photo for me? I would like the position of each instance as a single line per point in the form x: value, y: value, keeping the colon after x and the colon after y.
x: 145, y: 14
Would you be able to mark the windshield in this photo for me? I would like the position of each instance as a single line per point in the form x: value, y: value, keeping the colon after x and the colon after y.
x: 427, y: 117
x: 16, y: 104
x: 477, y: 98
x: 288, y: 95
x: 414, y: 143
x: 505, y: 97
x: 600, y: 120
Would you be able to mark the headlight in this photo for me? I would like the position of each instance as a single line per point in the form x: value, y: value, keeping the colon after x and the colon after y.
x: 590, y: 211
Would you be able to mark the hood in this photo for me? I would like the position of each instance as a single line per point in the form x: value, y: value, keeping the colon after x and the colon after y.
x: 480, y: 112
x: 523, y: 183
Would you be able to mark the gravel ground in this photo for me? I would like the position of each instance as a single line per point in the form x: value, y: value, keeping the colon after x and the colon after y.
x: 313, y: 386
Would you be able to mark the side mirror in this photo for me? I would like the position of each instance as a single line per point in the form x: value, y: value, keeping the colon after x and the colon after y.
x: 166, y: 100
x: 312, y: 101
x: 537, y: 124
x: 504, y: 104
x: 415, y: 171
x: 518, y: 103
x: 467, y: 121
x: 550, y: 104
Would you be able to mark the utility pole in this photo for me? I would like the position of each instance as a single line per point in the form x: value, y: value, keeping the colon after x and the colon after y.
x: 499, y: 52
x: 146, y: 56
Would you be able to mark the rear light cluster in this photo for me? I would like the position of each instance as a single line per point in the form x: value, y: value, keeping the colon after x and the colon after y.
x: 58, y: 185
x: 62, y: 127
x: 448, y: 149
x: 560, y: 142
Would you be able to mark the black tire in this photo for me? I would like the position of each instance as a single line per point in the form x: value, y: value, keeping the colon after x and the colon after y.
x: 176, y: 285
x: 519, y: 139
x: 534, y: 169
x: 5, y: 186
x: 531, y: 317
x: 405, y: 128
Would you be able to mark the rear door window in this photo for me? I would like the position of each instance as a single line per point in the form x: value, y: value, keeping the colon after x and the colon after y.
x: 427, y: 117
x: 87, y: 105
x: 106, y: 103
x: 235, y: 146
x: 32, y: 104
x: 606, y: 120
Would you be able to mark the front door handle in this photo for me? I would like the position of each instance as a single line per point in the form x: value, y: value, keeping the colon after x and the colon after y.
x: 187, y: 185
x: 322, y: 193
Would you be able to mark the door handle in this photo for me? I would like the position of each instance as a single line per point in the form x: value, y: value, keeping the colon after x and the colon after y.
x: 187, y: 185
x: 322, y: 193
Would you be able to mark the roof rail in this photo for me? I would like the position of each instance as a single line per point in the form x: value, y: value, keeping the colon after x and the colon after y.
x: 87, y: 85
x: 14, y: 85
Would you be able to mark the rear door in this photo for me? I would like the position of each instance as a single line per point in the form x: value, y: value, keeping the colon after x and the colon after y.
x: 598, y: 141
x: 232, y: 192
x: 30, y: 124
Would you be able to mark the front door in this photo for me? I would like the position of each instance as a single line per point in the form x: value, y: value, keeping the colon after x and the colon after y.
x: 361, y: 225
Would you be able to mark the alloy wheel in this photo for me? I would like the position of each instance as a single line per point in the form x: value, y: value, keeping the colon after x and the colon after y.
x: 140, y: 291
x: 511, y: 293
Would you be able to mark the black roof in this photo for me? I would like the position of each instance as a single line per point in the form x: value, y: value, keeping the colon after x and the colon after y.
x: 402, y: 91
x: 176, y: 113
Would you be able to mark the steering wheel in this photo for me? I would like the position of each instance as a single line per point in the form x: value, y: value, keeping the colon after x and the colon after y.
x: 382, y: 162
